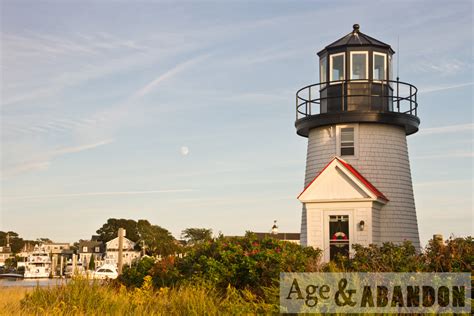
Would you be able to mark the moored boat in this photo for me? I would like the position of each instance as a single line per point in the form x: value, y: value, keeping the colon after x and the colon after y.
x: 38, y: 264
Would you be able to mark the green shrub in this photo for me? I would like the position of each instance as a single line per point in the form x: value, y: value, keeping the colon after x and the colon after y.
x: 386, y: 258
x: 241, y: 262
x: 454, y: 255
x: 133, y: 276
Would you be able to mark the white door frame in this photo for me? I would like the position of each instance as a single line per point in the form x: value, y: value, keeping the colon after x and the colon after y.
x: 352, y: 229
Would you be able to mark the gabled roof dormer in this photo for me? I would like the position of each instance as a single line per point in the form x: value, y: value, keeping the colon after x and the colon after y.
x: 339, y: 181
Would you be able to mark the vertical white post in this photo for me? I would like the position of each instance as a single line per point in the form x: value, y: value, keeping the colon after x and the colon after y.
x: 54, y: 265
x: 74, y: 264
x: 121, y: 234
x: 61, y: 267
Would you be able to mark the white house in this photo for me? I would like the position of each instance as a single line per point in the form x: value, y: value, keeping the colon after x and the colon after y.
x: 56, y: 247
x: 129, y: 253
x: 5, y: 253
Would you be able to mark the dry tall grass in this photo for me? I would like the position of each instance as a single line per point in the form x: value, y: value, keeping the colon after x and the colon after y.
x: 10, y: 298
x: 82, y: 297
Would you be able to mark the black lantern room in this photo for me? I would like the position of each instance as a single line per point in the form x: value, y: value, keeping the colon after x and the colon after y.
x: 356, y: 86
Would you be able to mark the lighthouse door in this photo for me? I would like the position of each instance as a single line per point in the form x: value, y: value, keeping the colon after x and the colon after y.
x: 338, y: 235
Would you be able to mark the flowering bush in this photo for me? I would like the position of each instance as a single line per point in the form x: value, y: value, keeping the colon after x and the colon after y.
x: 246, y: 262
x: 240, y: 262
x: 453, y: 255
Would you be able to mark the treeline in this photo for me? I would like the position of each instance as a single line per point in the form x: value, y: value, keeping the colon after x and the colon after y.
x: 155, y: 240
x: 16, y: 242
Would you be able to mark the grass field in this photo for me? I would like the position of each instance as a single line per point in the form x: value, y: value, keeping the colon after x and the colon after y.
x: 10, y: 300
x: 83, y: 298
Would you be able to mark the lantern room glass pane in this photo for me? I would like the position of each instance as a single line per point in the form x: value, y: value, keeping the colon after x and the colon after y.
x: 337, y: 67
x: 323, y: 71
x: 390, y: 68
x: 379, y: 66
x: 359, y: 65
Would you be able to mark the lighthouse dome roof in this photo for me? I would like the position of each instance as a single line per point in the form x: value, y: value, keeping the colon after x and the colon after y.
x: 356, y: 38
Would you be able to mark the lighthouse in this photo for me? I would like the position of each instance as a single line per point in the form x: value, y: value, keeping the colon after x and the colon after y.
x: 358, y: 187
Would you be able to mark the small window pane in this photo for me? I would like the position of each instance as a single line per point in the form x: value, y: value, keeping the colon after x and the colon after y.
x: 323, y: 71
x: 337, y: 70
x: 347, y: 137
x: 347, y: 141
x: 359, y: 66
x: 347, y: 151
x: 379, y: 67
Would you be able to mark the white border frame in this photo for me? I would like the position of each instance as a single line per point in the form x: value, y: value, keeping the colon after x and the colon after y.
x: 384, y: 65
x: 343, y: 67
x: 361, y: 52
x: 356, y: 141
x: 352, y: 229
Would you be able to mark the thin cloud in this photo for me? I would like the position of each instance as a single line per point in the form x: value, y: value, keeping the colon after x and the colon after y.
x: 43, y: 162
x: 84, y: 194
x: 103, y: 54
x: 75, y: 149
x: 28, y: 167
x: 447, y: 129
x: 169, y: 74
x: 446, y: 87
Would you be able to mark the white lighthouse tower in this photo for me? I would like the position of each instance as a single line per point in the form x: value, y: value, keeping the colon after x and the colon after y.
x: 358, y: 187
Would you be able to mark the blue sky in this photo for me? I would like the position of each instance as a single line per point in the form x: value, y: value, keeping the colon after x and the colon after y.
x: 100, y: 101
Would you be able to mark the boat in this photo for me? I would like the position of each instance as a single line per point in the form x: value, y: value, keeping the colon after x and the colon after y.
x: 38, y: 264
x: 79, y: 271
x: 11, y: 276
x: 108, y: 270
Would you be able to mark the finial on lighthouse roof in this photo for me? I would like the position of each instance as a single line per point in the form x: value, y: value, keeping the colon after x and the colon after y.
x: 356, y: 28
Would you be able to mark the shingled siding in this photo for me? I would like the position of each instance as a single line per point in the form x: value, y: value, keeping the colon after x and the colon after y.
x: 383, y: 160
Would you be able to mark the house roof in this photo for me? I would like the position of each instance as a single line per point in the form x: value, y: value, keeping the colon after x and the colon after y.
x: 355, y: 173
x: 113, y: 244
x: 280, y: 236
x: 356, y: 38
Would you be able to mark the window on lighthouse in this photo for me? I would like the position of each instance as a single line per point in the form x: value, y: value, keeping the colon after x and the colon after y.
x: 347, y: 141
x: 359, y: 65
x: 380, y: 66
x: 337, y: 67
x: 323, y: 71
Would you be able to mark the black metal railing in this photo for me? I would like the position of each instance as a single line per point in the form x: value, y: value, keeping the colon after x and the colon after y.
x: 340, y: 96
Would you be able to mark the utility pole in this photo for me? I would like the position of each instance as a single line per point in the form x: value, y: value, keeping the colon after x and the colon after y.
x: 121, y: 234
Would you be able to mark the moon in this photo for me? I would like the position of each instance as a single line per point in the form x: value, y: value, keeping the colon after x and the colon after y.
x: 184, y: 150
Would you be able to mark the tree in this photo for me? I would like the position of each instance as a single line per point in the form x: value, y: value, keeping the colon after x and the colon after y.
x: 196, y: 235
x: 109, y: 230
x: 16, y: 243
x: 43, y: 240
x: 92, y: 263
x: 157, y: 240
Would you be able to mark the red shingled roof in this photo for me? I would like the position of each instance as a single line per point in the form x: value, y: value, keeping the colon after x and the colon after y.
x: 356, y: 173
